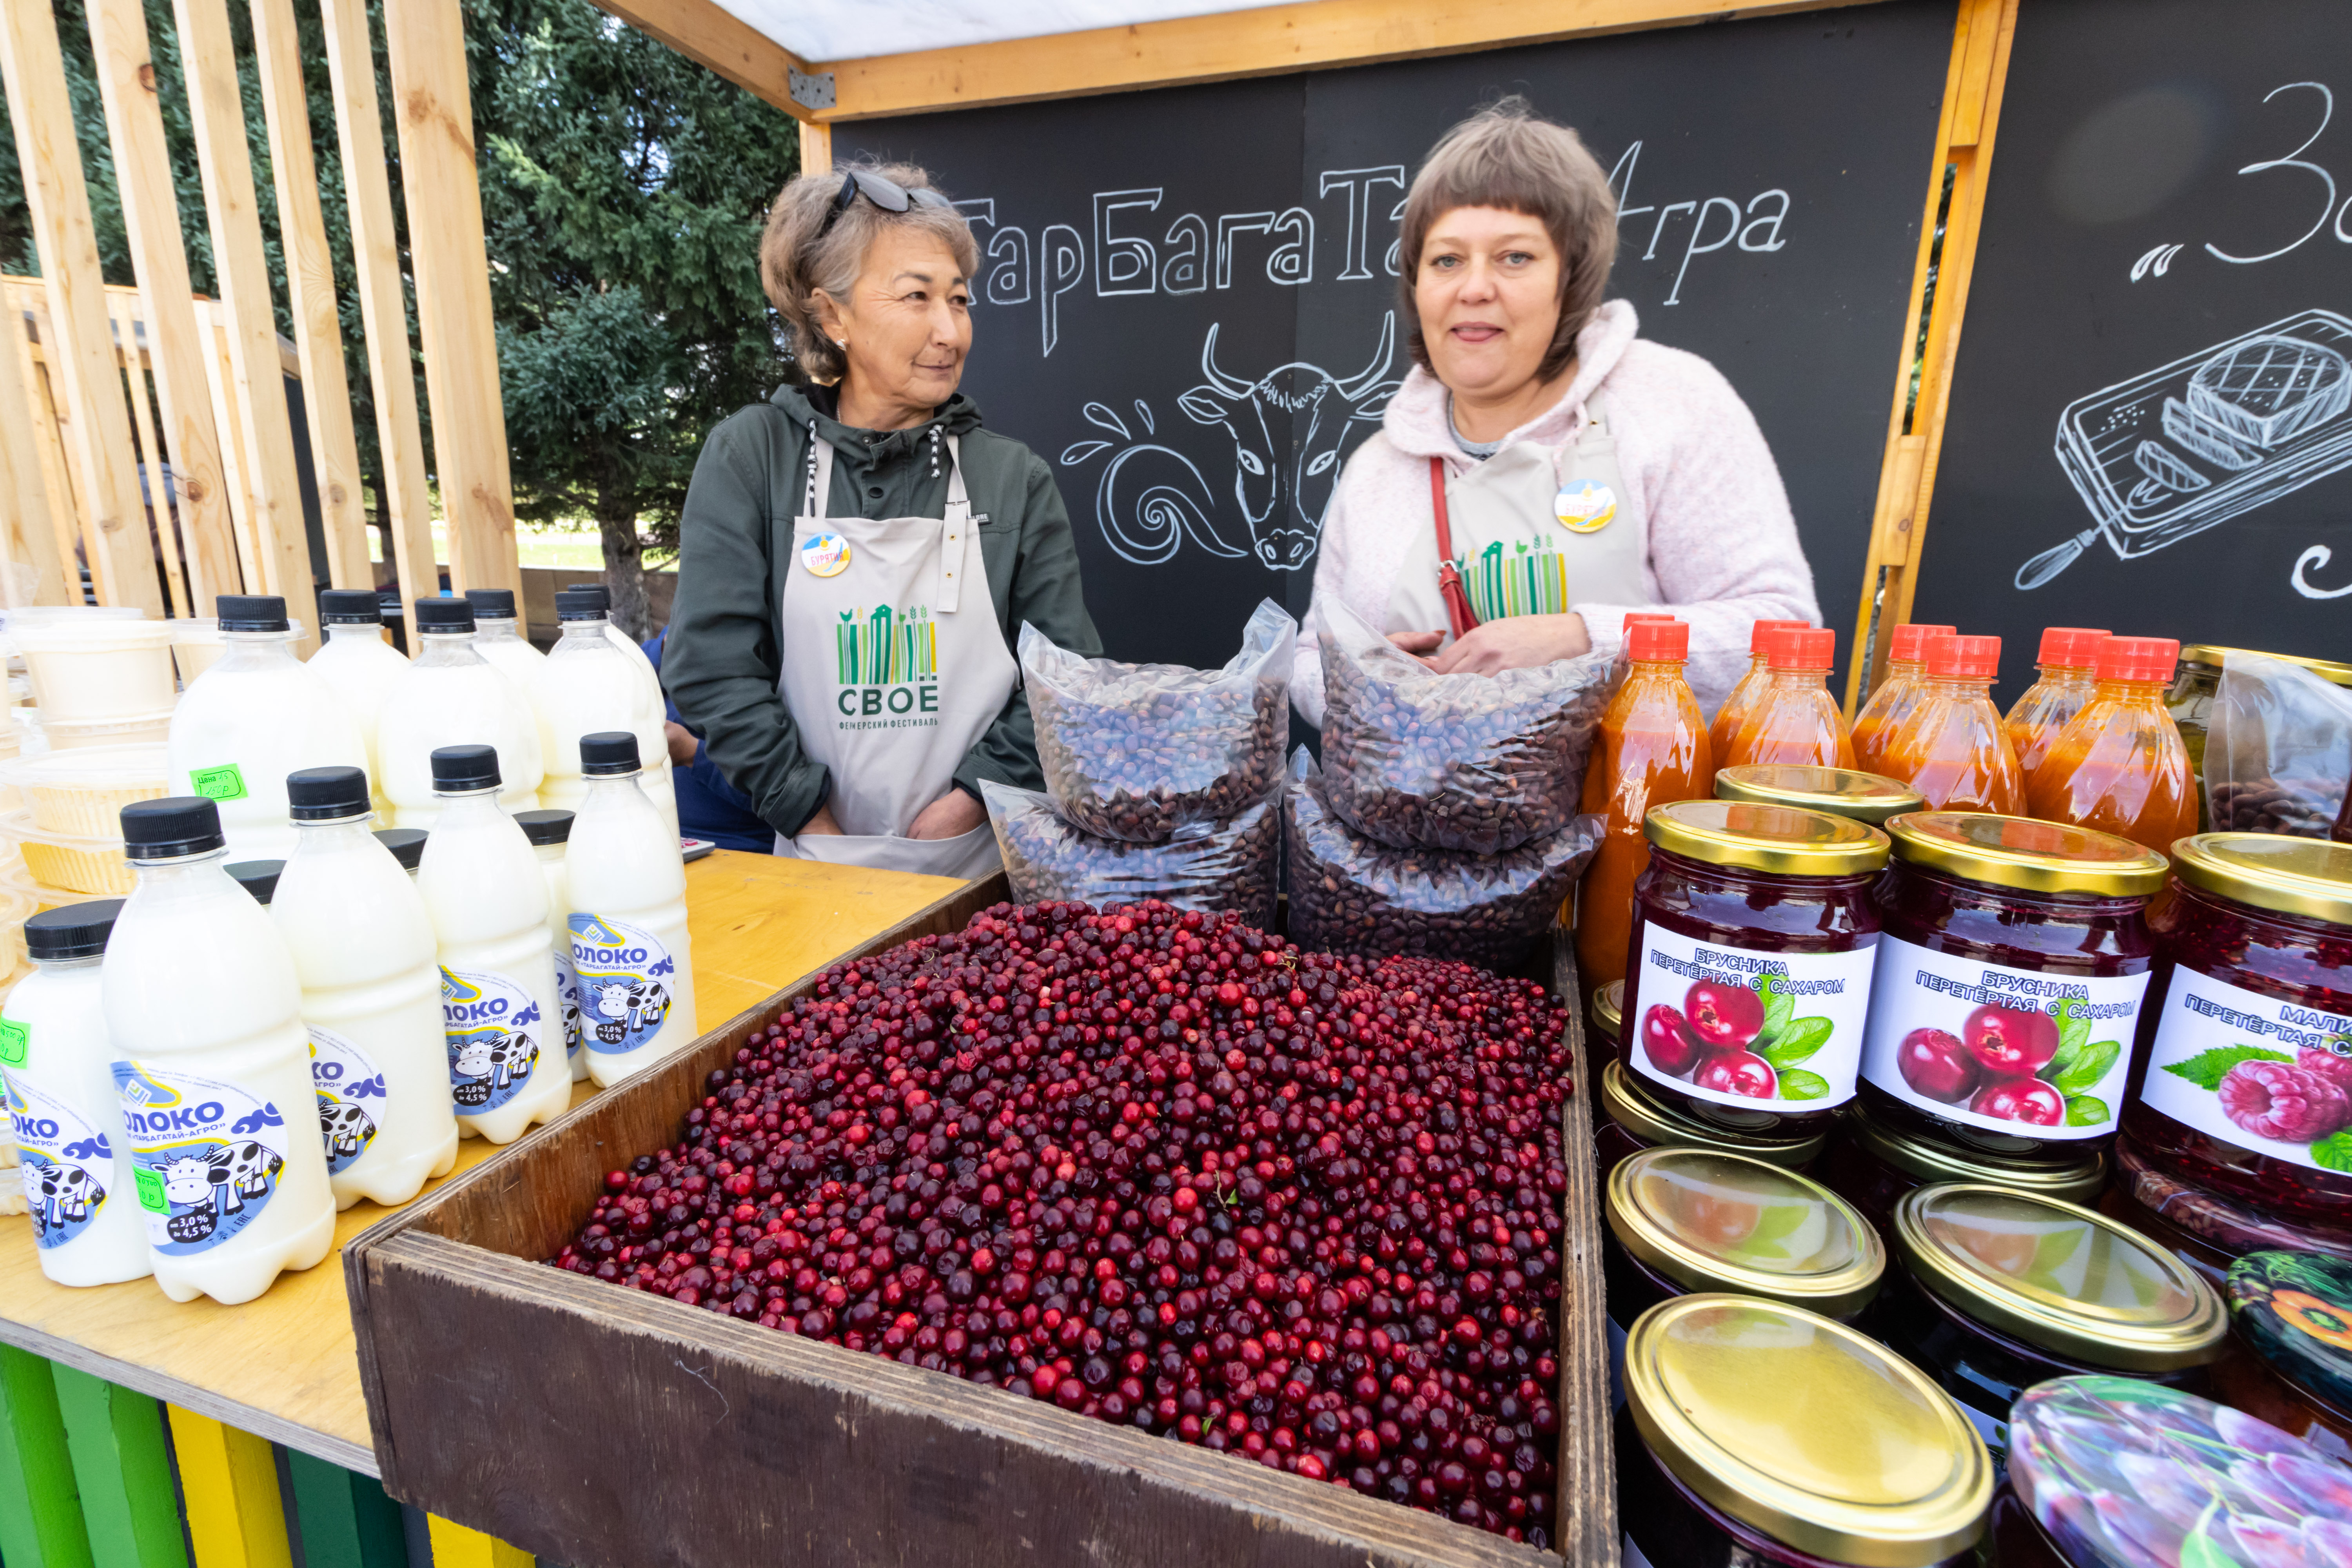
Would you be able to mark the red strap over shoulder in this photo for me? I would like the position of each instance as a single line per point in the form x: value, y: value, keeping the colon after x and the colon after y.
x: 1449, y: 580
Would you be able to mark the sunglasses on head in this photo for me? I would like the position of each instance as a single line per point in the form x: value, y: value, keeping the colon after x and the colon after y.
x: 887, y: 194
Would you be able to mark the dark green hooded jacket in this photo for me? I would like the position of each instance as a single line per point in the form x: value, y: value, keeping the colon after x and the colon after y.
x: 721, y: 662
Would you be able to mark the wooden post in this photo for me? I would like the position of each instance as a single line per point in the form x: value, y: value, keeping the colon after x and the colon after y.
x: 217, y: 109
x: 28, y: 306
x: 229, y: 1480
x: 816, y: 148
x: 30, y: 538
x: 123, y: 1467
x: 40, y: 1512
x: 406, y: 499
x: 122, y: 307
x: 345, y: 1519
x: 434, y: 112
x: 80, y: 351
x: 176, y: 344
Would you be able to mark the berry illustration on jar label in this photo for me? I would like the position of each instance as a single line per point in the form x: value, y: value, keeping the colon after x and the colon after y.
x: 352, y: 1095
x: 623, y: 974
x: 2252, y: 1070
x: 67, y: 1163
x: 206, y: 1156
x: 488, y: 1022
x: 2011, y: 1050
x: 1734, y: 1025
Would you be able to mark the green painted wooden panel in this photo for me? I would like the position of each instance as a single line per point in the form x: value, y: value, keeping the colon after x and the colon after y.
x: 40, y: 1505
x: 123, y: 1465
x: 346, y: 1519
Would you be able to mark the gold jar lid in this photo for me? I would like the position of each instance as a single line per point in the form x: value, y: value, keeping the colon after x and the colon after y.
x: 1841, y: 791
x: 1779, y: 839
x: 1924, y: 1161
x: 1624, y: 1102
x: 2061, y: 1277
x: 2027, y: 854
x: 2210, y: 656
x: 1804, y: 1429
x: 1609, y: 1009
x: 2307, y: 877
x: 1714, y: 1221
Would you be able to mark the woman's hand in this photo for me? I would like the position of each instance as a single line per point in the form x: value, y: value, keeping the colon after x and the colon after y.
x: 1515, y: 643
x: 683, y: 747
x: 951, y: 816
x: 823, y: 822
x: 1421, y: 645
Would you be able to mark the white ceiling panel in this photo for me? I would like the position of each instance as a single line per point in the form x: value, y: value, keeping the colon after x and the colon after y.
x: 852, y: 29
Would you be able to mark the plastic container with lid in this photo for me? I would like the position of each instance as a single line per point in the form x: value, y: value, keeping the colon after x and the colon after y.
x: 138, y: 729
x: 1897, y: 696
x: 2119, y: 765
x: 82, y: 866
x: 2292, y: 1363
x: 549, y: 832
x: 2242, y: 1077
x: 95, y: 669
x: 1754, y: 936
x: 2011, y: 971
x: 82, y: 792
x: 196, y: 647
x: 1794, y: 718
x: 1729, y: 717
x: 2069, y: 660
x: 1841, y: 791
x: 1633, y: 1120
x: 1996, y: 1290
x: 1756, y: 1433
x: 1873, y: 1167
x: 1682, y: 1220
x: 2197, y: 681
x: 1952, y: 748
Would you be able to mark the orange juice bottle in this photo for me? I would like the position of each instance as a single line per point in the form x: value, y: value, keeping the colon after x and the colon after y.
x: 1652, y: 748
x: 1735, y: 707
x: 1951, y: 750
x: 1794, y: 719
x: 1897, y: 697
x: 2069, y: 659
x: 2119, y: 765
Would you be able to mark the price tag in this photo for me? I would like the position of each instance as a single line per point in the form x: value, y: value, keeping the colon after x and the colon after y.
x: 14, y: 1040
x: 219, y: 783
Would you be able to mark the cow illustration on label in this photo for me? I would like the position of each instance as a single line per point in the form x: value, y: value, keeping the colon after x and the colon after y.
x: 206, y: 1156
x: 64, y: 1157
x: 343, y: 1077
x: 622, y: 972
x: 485, y: 1020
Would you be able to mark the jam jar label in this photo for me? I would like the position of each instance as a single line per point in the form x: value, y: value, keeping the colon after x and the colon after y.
x: 2009, y: 1050
x: 205, y: 1154
x: 1734, y: 1025
x: 2266, y: 1075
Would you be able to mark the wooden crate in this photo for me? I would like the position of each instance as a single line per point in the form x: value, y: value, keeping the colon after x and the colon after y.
x: 604, y: 1427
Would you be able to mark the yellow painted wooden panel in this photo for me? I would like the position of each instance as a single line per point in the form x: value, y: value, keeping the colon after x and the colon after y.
x: 27, y: 528
x: 228, y: 1482
x: 454, y: 1546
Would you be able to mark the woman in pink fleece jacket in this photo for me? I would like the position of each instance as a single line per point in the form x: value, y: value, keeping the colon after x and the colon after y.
x: 1587, y: 473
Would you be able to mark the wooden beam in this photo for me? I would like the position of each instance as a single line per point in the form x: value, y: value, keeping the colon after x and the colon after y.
x: 81, y: 353
x: 434, y: 114
x: 123, y: 1467
x: 124, y: 309
x: 220, y: 379
x: 40, y: 1509
x: 310, y: 282
x: 217, y: 109
x: 406, y: 499
x: 237, y: 1516
x: 28, y: 304
x: 710, y: 37
x: 176, y: 345
x: 28, y: 532
x: 817, y: 148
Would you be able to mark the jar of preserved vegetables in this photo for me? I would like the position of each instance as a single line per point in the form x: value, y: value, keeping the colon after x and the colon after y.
x: 1841, y: 791
x: 2190, y: 699
x: 1872, y: 1166
x: 2293, y: 1316
x: 1633, y: 1120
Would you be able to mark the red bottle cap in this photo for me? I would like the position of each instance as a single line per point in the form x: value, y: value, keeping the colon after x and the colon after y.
x: 1965, y: 658
x: 2070, y: 647
x: 1654, y: 642
x: 1632, y: 616
x: 1760, y: 636
x: 2138, y: 659
x: 1803, y: 648
x: 1910, y: 642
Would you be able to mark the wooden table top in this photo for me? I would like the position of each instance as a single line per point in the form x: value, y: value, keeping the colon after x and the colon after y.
x: 283, y: 1366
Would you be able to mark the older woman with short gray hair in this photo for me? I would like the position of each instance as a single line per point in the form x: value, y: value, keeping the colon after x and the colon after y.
x: 857, y: 553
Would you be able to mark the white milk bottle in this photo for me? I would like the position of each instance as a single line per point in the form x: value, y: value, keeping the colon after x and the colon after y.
x: 451, y: 696
x: 364, y: 951
x: 359, y: 664
x: 57, y: 1058
x: 407, y: 847
x: 549, y: 831
x: 500, y: 1015
x: 589, y: 685
x: 213, y: 1067
x: 258, y: 878
x: 257, y: 715
x: 498, y: 636
x: 602, y: 598
x: 631, y: 958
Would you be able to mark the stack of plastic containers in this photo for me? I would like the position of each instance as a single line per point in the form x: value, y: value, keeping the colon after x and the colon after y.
x: 101, y: 677
x: 69, y: 827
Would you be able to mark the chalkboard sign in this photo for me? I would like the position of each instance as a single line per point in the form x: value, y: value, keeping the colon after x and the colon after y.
x: 2151, y: 411
x: 1189, y: 302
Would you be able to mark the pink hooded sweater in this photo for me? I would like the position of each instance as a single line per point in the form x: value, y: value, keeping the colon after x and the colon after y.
x: 1722, y: 549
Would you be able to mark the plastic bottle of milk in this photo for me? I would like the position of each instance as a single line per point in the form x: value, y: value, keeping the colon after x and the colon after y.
x: 602, y: 598
x: 498, y: 636
x: 359, y: 664
x: 451, y: 696
x: 499, y: 1010
x: 364, y: 951
x: 407, y: 847
x: 549, y: 831
x: 589, y: 685
x: 258, y: 878
x: 213, y: 1067
x: 257, y: 715
x: 57, y: 1058
x: 631, y: 957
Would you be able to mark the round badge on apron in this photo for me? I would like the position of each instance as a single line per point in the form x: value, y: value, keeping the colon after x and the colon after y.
x: 826, y: 555
x: 1584, y: 506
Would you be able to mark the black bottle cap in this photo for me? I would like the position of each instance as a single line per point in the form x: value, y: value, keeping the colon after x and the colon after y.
x: 460, y: 770
x: 588, y: 601
x: 406, y: 844
x: 492, y: 603
x: 546, y: 826
x: 168, y: 829
x: 437, y: 615
x: 326, y: 795
x: 349, y: 607
x: 71, y: 931
x: 608, y: 753
x: 251, y: 612
x: 258, y: 878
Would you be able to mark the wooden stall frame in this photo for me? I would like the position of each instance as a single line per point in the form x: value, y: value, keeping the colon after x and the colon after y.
x: 28, y: 527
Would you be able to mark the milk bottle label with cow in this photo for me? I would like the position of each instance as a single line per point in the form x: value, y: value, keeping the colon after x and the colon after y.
x: 493, y: 1028
x: 623, y: 974
x: 206, y: 1156
x: 567, y: 994
x: 68, y: 1163
x: 351, y: 1097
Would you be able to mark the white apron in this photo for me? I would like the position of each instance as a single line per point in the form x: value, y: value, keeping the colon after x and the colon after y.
x: 1535, y: 530
x: 894, y: 668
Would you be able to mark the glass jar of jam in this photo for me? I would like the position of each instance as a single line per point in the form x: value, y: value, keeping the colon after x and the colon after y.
x: 1608, y: 1019
x: 2205, y: 1260
x: 1756, y: 1433
x: 1872, y: 1166
x: 2113, y: 1473
x: 1997, y: 1291
x: 2010, y: 974
x: 2190, y: 701
x: 2293, y: 1315
x: 1842, y: 792
x: 2220, y: 1229
x: 1752, y: 944
x: 1633, y: 1120
x: 2242, y: 1079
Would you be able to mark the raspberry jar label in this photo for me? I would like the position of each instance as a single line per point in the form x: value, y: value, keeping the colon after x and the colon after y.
x: 2009, y: 1050
x: 1734, y: 1025
x: 67, y: 1163
x: 351, y: 1095
x: 206, y: 1156
x: 2271, y: 1076
x: 492, y: 1027
x: 624, y: 973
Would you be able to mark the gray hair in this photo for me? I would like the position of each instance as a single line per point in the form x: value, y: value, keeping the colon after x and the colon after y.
x: 799, y: 256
